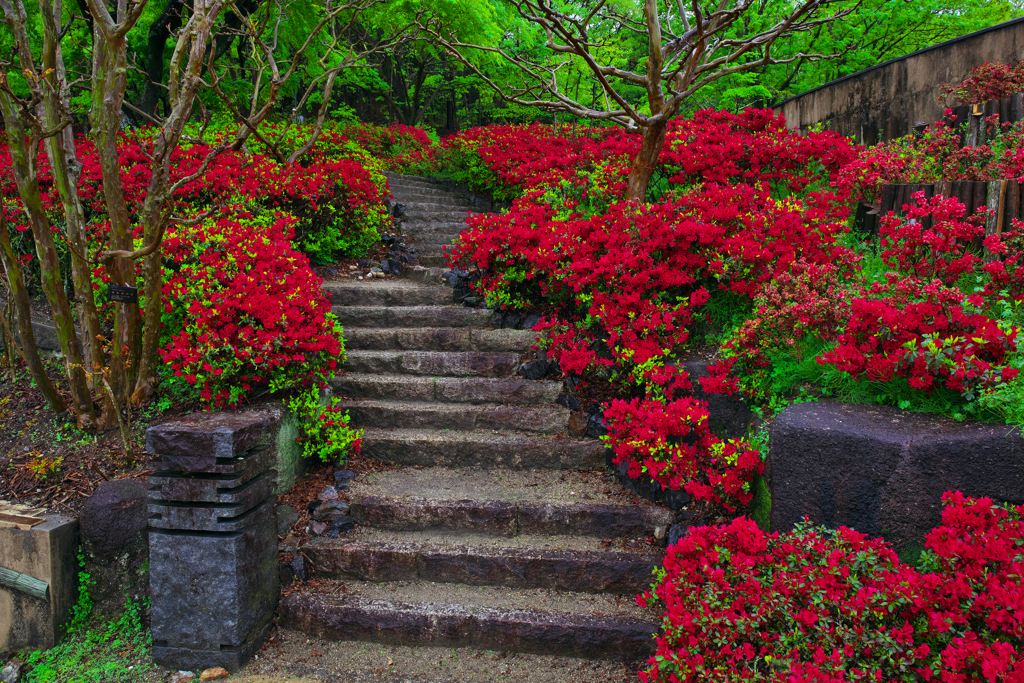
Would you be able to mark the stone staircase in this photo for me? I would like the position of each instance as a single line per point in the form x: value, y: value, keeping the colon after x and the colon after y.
x: 500, y: 532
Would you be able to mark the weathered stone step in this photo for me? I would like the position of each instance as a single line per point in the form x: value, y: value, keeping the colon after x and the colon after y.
x: 386, y: 293
x: 352, y: 661
x: 481, y: 449
x: 509, y: 390
x: 412, y: 316
x: 568, y: 563
x: 434, y: 363
x: 434, y: 261
x: 439, y: 338
x: 428, y: 276
x: 549, y: 419
x: 442, y: 204
x: 438, y: 228
x: 424, y: 195
x: 408, y: 180
x: 432, y: 249
x: 481, y: 618
x: 508, y: 503
x: 436, y: 216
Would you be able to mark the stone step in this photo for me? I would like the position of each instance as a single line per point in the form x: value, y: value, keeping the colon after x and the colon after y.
x: 509, y: 390
x: 398, y: 292
x: 434, y: 363
x: 565, y: 563
x: 500, y: 620
x: 410, y: 181
x: 481, y: 449
x: 415, y: 194
x: 439, y: 228
x: 442, y: 204
x: 439, y: 338
x: 295, y: 653
x: 437, y: 261
x: 436, y: 216
x: 429, y: 276
x: 503, y: 502
x: 432, y: 249
x: 412, y: 316
x: 548, y: 419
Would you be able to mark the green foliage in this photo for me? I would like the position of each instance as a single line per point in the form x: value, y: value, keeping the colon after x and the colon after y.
x: 95, y: 651
x: 325, y: 431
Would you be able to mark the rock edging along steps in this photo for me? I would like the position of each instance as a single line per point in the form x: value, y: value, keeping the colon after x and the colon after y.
x: 501, y: 532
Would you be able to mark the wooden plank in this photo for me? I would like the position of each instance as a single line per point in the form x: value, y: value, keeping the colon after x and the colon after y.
x: 888, y: 198
x: 860, y: 218
x: 1012, y: 204
x: 944, y: 188
x: 980, y: 195
x: 1016, y: 107
x: 1004, y: 110
x: 971, y: 136
x: 901, y: 199
x: 929, y: 192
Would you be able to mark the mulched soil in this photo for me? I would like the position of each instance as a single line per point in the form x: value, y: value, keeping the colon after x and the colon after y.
x: 48, y: 463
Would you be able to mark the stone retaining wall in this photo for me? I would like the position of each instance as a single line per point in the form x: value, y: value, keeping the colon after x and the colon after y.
x: 882, y: 471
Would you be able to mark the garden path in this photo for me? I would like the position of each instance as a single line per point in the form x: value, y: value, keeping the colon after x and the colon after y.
x: 499, y: 531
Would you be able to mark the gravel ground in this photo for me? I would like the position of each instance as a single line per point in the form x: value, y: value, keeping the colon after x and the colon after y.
x: 293, y: 656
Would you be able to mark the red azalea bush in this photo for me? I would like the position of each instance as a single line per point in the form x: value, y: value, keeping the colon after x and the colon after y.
x: 243, y: 310
x: 987, y: 82
x: 628, y: 278
x: 829, y: 606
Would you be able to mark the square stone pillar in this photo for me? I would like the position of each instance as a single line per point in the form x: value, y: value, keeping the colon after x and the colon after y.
x: 212, y: 540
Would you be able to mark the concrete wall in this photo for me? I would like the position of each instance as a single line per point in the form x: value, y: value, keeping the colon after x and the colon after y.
x: 887, y: 100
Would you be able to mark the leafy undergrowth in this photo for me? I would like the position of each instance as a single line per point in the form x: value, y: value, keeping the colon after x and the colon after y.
x: 98, y: 648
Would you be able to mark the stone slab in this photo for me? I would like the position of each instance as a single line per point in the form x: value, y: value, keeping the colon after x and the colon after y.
x: 213, y: 517
x: 200, y: 439
x: 454, y: 625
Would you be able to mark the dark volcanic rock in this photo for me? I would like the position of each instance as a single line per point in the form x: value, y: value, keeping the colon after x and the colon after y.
x: 115, y: 517
x: 729, y: 415
x: 340, y: 524
x: 882, y: 471
x: 329, y: 509
x: 535, y: 369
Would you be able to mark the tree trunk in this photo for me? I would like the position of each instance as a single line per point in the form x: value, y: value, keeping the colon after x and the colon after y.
x: 109, y: 77
x: 159, y: 32
x: 66, y: 172
x: 646, y: 160
x: 23, y: 315
x: 27, y: 179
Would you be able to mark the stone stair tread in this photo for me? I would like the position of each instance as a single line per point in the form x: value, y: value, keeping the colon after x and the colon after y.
x: 412, y: 316
x: 439, y: 338
x: 571, y: 563
x: 389, y: 292
x: 481, y: 448
x: 547, y: 419
x: 487, y: 597
x: 512, y: 390
x: 378, y: 619
x: 520, y: 486
x: 434, y: 363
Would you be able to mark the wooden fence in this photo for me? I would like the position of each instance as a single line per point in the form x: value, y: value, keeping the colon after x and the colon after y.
x: 1002, y: 198
x: 970, y: 118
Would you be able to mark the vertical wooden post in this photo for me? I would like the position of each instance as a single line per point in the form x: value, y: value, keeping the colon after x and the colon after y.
x: 1016, y: 107
x: 929, y: 192
x: 1012, y: 209
x: 888, y: 198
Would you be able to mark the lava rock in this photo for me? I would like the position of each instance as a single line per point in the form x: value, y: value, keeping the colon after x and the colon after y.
x: 531, y: 321
x: 340, y: 525
x: 535, y: 369
x: 568, y: 400
x: 342, y: 479
x: 596, y: 427
x: 286, y: 517
x: 330, y: 271
x: 676, y: 533
x: 729, y: 416
x: 512, y: 320
x: 399, y: 210
x: 115, y: 518
x: 299, y: 568
x: 330, y: 508
x: 329, y: 493
x: 313, y: 505
x: 363, y: 263
x: 317, y: 528
x: 472, y: 301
